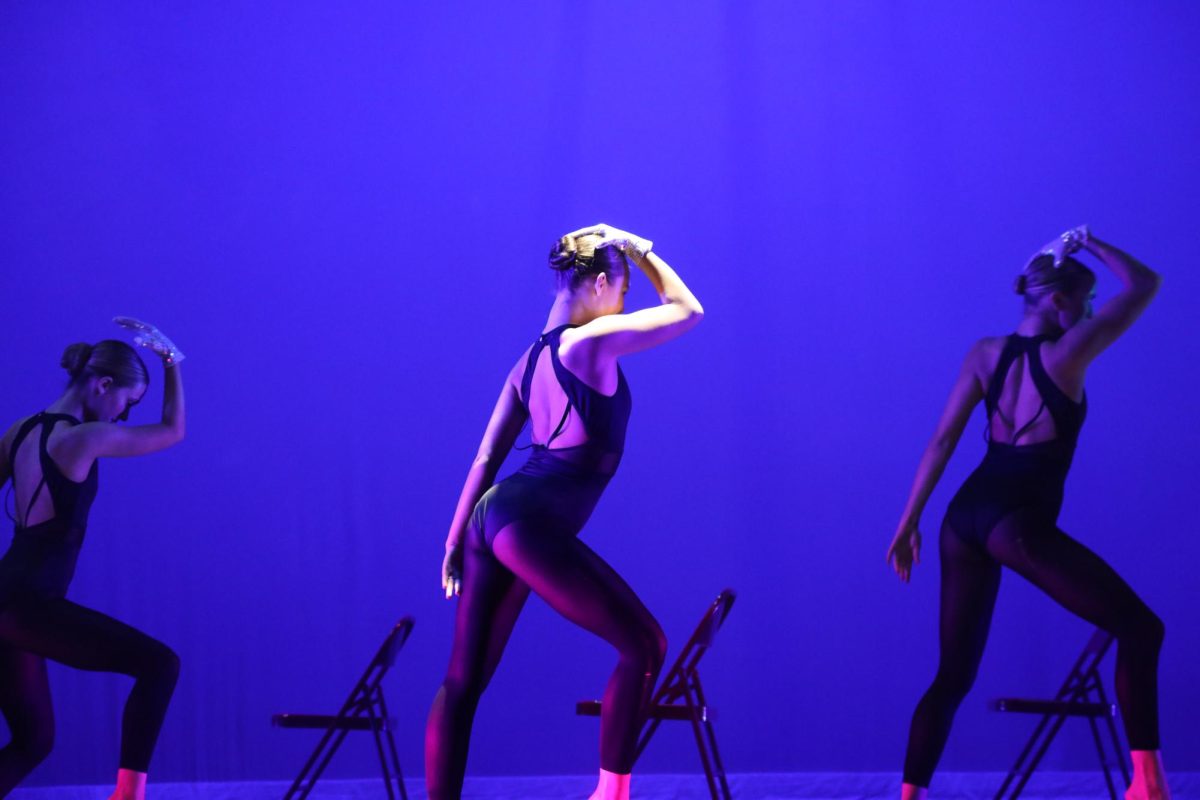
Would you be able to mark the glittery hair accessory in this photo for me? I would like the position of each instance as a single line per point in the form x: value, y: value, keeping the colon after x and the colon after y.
x: 632, y: 245
x: 1063, y: 246
x: 150, y: 337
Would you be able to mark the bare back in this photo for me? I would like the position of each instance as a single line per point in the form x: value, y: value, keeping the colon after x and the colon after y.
x: 547, y: 401
x: 1018, y: 413
x: 34, y: 445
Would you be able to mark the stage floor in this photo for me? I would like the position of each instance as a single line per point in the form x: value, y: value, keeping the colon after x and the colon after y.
x: 764, y: 786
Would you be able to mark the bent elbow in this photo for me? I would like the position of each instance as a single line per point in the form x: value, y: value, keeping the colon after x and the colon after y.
x: 1147, y: 283
x: 1155, y: 282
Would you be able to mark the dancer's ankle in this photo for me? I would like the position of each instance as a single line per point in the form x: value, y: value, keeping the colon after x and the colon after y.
x: 1149, y: 777
x: 612, y: 786
x: 910, y: 792
x: 131, y: 785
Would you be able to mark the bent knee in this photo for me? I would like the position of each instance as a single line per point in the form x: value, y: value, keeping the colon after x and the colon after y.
x: 460, y: 685
x: 1145, y: 629
x: 659, y: 646
x: 953, y: 684
x: 158, y: 663
x: 647, y: 648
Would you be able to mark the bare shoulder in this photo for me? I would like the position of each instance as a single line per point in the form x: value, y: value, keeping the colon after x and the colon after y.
x: 579, y: 345
x: 70, y: 442
x: 983, y: 355
x: 986, y: 351
x: 10, y: 434
x: 518, y: 369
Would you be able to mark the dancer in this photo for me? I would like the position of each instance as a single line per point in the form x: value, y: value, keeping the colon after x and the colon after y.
x: 521, y: 533
x: 1006, y: 512
x: 51, y: 459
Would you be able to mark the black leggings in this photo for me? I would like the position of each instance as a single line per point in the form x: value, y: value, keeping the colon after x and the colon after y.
x: 576, y: 583
x: 1028, y: 542
x: 33, y: 629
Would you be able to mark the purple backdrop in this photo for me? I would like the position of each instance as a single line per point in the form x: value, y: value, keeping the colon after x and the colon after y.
x: 340, y: 212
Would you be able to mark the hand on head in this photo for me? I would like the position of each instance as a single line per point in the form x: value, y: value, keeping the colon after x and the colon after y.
x: 1064, y: 245
x: 150, y: 337
x: 625, y: 241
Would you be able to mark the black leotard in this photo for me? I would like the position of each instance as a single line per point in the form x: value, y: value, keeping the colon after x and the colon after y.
x: 523, y: 535
x: 560, y: 486
x: 42, y: 557
x: 37, y: 622
x: 1015, y: 475
x: 1006, y: 514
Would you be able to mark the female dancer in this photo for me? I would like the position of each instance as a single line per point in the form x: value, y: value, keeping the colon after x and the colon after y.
x: 520, y: 534
x: 51, y: 459
x: 1006, y: 512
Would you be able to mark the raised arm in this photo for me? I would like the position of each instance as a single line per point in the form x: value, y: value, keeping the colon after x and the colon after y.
x: 1085, y: 340
x: 905, y: 549
x: 614, y: 335
x: 106, y: 440
x: 508, y: 416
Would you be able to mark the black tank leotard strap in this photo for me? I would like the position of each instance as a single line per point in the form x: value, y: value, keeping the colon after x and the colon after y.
x: 1067, y: 414
x: 604, y: 417
x: 72, y: 500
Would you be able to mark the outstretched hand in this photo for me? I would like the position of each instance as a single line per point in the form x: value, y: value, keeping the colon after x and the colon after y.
x: 150, y: 337
x: 452, y: 566
x: 905, y: 551
x: 1064, y: 245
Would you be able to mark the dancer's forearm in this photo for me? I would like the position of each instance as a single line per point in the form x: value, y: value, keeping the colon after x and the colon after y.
x: 929, y: 472
x: 173, y: 416
x: 666, y: 282
x: 1134, y: 274
x: 480, y: 477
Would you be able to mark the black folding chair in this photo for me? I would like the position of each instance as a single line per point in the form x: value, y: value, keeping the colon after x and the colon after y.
x: 681, y: 697
x: 1081, y: 695
x: 364, y: 710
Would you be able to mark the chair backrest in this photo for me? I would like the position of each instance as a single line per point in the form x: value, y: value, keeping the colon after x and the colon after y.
x: 1084, y: 673
x: 696, y: 646
x: 383, y: 660
x: 710, y: 623
x: 1099, y: 643
x: 395, y: 640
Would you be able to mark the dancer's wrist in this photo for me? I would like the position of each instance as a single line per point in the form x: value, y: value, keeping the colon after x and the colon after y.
x: 639, y: 247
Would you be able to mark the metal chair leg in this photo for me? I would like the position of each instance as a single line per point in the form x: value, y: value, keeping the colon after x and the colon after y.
x: 391, y: 741
x: 711, y: 738
x: 1038, y: 754
x: 377, y: 735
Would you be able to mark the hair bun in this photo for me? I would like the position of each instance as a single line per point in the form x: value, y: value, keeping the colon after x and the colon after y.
x: 75, y: 358
x: 562, y: 254
x: 1019, y: 284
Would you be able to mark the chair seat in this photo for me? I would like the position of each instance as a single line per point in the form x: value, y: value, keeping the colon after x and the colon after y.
x: 591, y: 708
x: 1064, y: 708
x: 323, y: 721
